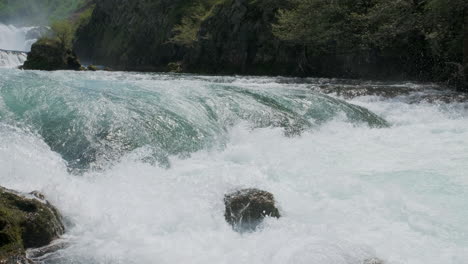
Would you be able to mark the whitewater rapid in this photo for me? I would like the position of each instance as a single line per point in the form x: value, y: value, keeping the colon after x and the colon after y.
x: 138, y: 164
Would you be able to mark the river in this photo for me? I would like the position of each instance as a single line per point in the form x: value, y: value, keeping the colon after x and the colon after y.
x: 138, y: 165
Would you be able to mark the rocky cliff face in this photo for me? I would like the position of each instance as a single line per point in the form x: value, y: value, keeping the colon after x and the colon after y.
x: 234, y: 37
x: 130, y: 35
x: 237, y: 38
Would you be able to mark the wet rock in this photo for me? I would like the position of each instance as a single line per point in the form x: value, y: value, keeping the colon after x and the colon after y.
x: 50, y: 55
x: 246, y: 209
x: 92, y: 68
x: 25, y: 222
x: 175, y: 67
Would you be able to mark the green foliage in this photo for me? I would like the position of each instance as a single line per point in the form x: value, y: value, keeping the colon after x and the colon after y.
x: 194, y: 15
x: 368, y: 23
x: 425, y: 33
x: 63, y: 31
x: 326, y: 25
x: 85, y: 16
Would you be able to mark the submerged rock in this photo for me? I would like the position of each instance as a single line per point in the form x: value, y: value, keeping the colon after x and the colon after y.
x: 246, y: 209
x: 25, y: 222
x: 51, y: 55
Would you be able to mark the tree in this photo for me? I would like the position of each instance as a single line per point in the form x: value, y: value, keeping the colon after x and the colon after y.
x: 328, y: 26
x: 63, y: 31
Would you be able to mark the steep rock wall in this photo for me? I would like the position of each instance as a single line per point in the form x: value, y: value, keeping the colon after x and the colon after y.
x: 130, y: 35
x: 234, y: 37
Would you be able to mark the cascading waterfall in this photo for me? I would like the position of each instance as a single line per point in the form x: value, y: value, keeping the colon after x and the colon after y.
x: 15, y: 42
x: 138, y: 165
x: 12, y: 59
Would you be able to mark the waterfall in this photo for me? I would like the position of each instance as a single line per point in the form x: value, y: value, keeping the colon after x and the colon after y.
x: 15, y: 42
x: 12, y: 59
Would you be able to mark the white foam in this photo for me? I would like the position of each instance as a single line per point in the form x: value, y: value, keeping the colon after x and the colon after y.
x: 12, y: 59
x: 15, y: 38
x: 346, y: 192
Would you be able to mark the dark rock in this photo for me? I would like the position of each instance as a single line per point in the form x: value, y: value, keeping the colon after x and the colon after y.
x: 50, y: 55
x: 246, y: 209
x: 25, y: 222
x: 175, y: 67
x: 131, y: 35
x: 237, y: 38
x: 92, y: 68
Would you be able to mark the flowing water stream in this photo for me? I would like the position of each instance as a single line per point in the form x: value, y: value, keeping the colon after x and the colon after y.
x: 139, y: 163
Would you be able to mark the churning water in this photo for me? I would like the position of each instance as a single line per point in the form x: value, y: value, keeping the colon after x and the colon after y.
x: 138, y: 164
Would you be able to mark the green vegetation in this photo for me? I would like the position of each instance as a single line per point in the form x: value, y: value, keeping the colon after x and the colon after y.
x: 375, y: 39
x: 63, y: 32
x: 429, y: 34
x: 38, y: 11
x: 186, y: 32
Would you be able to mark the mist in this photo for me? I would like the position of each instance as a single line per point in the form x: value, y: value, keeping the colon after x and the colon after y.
x: 36, y: 12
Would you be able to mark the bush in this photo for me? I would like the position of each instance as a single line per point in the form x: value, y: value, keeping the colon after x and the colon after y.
x: 63, y: 32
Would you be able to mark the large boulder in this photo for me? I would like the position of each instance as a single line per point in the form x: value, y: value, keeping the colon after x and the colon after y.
x: 246, y: 209
x: 51, y: 55
x: 26, y: 221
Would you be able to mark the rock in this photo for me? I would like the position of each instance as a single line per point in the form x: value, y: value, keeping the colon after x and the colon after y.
x: 246, y: 209
x: 175, y: 67
x: 92, y: 68
x: 25, y: 222
x: 50, y: 55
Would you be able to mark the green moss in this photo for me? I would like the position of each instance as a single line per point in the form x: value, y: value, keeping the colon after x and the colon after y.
x: 25, y: 223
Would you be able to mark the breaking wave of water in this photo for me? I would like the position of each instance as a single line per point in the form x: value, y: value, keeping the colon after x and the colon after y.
x: 139, y: 163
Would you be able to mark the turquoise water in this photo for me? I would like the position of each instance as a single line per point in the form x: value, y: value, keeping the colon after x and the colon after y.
x: 138, y: 164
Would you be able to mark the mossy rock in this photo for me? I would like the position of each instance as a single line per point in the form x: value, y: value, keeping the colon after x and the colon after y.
x: 175, y: 67
x: 25, y: 222
x: 246, y: 209
x: 51, y: 55
x: 92, y: 68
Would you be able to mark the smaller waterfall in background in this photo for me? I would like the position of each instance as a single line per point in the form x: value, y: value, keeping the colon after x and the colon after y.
x: 12, y: 59
x: 15, y: 42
